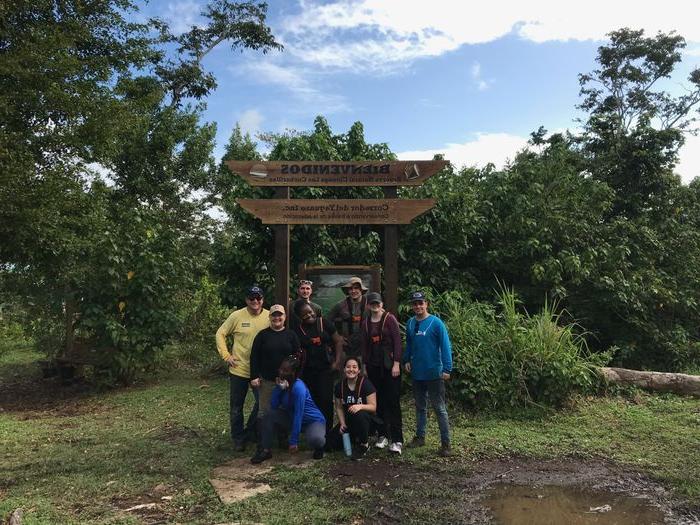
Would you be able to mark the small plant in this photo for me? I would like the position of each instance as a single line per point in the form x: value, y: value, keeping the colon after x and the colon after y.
x: 506, y: 357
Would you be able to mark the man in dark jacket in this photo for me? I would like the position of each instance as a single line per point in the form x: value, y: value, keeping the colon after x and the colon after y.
x: 348, y: 314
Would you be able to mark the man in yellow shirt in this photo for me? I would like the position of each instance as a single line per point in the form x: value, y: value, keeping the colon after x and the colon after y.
x: 243, y: 325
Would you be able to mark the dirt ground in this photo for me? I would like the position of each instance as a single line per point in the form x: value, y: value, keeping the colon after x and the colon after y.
x: 453, y: 492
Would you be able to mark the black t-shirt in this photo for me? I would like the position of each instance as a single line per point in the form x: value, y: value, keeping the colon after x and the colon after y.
x: 353, y: 397
x: 269, y: 350
x: 317, y: 344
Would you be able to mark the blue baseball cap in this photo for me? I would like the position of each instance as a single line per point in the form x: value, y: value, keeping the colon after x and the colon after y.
x: 416, y: 296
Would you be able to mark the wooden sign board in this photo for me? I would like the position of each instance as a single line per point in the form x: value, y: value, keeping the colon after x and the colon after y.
x: 336, y: 211
x: 360, y: 173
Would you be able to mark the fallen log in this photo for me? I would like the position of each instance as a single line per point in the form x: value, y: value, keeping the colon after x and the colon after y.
x: 657, y: 381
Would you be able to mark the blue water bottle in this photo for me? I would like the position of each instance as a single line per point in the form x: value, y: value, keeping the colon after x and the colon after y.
x: 347, y: 446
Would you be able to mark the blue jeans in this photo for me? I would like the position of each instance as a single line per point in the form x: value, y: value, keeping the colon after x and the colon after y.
x: 435, y: 390
x: 238, y: 391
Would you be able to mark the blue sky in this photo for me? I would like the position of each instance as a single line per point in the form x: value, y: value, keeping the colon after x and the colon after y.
x: 467, y: 79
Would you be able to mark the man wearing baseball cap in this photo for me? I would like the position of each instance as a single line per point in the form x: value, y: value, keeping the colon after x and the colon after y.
x: 243, y: 325
x: 428, y: 358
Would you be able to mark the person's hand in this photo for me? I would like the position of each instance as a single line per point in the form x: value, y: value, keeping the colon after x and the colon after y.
x: 293, y: 449
x: 407, y: 367
x: 445, y: 376
x: 283, y: 383
x: 255, y: 383
x: 354, y: 409
x: 232, y: 361
x: 343, y: 428
x: 396, y: 369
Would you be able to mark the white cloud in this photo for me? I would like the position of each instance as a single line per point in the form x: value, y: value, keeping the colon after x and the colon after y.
x: 689, y: 159
x: 250, y: 121
x: 480, y: 83
x: 182, y: 15
x: 299, y: 82
x: 497, y: 148
x: 385, y: 34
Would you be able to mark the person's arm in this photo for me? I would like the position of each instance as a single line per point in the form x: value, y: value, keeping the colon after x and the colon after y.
x: 445, y: 352
x: 392, y: 325
x: 255, y: 358
x: 338, y: 403
x: 276, y: 399
x: 228, y: 326
x: 370, y: 394
x: 406, y: 357
x: 297, y: 392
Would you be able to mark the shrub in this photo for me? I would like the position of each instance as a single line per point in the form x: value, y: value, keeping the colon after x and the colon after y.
x: 504, y: 356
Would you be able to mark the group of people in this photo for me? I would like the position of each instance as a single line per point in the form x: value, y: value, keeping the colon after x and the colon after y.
x: 307, y: 370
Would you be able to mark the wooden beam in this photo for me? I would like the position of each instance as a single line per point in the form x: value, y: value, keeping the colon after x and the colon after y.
x: 391, y: 260
x: 281, y: 234
x: 336, y: 211
x: 361, y: 173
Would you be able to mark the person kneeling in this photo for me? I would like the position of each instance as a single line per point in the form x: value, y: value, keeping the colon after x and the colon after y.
x: 292, y: 410
x: 355, y: 405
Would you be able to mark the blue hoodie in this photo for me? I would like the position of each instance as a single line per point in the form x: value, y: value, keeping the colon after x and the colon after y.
x: 428, y: 348
x: 302, y: 409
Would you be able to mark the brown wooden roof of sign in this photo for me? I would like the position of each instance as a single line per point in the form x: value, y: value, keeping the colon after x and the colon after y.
x: 360, y: 173
x: 336, y: 211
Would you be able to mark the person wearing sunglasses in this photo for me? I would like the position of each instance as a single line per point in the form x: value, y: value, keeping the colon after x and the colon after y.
x: 428, y: 358
x: 304, y: 291
x: 348, y: 314
x: 242, y: 325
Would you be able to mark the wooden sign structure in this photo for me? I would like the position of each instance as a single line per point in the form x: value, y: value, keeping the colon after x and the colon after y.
x: 281, y: 211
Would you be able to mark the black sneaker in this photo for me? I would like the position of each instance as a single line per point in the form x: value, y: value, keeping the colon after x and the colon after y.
x: 445, y: 450
x: 416, y: 442
x: 239, y: 445
x: 260, y: 456
x: 359, y: 452
x: 318, y: 453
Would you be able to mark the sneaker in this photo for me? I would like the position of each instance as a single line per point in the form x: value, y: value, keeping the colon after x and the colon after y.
x: 395, y: 448
x: 417, y: 442
x: 260, y: 456
x: 445, y: 450
x: 359, y: 452
x: 239, y: 445
x: 318, y: 453
x: 382, y: 442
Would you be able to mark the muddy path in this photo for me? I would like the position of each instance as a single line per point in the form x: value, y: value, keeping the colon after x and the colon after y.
x: 456, y: 492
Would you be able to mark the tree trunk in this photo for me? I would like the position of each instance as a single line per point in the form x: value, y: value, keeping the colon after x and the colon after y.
x: 657, y: 381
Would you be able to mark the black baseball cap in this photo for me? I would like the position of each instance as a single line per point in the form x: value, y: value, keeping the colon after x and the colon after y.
x: 254, y: 291
x: 416, y: 296
x: 374, y: 297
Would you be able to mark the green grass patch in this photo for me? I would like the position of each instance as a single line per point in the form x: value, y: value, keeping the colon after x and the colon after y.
x: 82, y: 460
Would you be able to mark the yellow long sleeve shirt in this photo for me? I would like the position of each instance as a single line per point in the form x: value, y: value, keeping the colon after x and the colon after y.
x: 243, y: 327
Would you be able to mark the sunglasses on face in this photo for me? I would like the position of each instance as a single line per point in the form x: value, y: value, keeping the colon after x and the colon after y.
x: 304, y: 282
x: 256, y: 298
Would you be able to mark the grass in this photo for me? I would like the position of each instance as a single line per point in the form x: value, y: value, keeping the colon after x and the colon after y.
x: 82, y: 459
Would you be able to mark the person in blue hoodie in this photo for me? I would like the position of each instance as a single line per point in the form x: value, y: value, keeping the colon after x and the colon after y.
x: 292, y: 411
x: 428, y: 358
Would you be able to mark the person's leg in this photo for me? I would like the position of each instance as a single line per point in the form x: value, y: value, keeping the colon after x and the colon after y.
x: 264, y: 396
x: 325, y: 395
x: 238, y: 388
x: 358, y: 425
x: 250, y: 426
x: 374, y: 373
x: 420, y: 396
x: 436, y: 391
x: 392, y: 408
x: 315, y: 435
x: 274, y: 420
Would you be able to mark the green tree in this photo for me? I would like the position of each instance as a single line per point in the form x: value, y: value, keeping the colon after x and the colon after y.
x: 87, y: 96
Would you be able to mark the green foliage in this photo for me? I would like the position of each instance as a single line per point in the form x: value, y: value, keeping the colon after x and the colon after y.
x: 504, y: 356
x: 244, y: 250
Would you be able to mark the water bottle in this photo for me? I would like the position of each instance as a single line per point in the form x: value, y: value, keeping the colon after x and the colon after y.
x: 347, y: 446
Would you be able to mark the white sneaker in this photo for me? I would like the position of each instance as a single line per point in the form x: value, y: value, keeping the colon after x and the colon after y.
x: 382, y: 442
x: 396, y: 448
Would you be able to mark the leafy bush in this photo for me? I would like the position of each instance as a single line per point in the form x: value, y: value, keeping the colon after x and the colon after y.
x: 503, y: 356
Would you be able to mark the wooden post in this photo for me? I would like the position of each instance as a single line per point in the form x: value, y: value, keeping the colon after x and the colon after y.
x: 391, y: 259
x: 281, y: 236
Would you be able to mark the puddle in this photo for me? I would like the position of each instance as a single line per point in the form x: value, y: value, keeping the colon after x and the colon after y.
x: 554, y: 505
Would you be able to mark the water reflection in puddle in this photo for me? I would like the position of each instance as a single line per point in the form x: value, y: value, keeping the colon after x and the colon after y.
x: 545, y: 505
